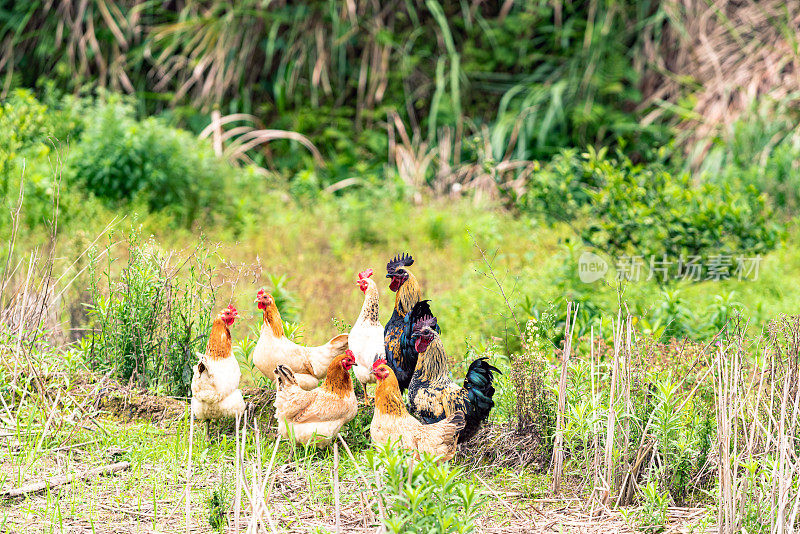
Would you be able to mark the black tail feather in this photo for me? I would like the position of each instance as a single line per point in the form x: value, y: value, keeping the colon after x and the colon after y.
x: 478, y: 384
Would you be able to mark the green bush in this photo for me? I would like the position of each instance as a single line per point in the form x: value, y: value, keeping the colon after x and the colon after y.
x: 628, y: 209
x: 149, y: 322
x: 29, y: 153
x: 119, y: 158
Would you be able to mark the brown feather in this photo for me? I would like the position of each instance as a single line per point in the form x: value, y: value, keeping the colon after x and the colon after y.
x: 219, y: 342
x: 338, y: 380
x: 273, y: 318
x: 387, y: 396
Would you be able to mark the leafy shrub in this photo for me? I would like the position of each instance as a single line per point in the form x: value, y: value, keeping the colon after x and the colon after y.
x: 652, y: 516
x: 423, y: 495
x: 284, y: 298
x: 243, y: 348
x: 217, y: 503
x: 627, y: 209
x: 151, y: 319
x: 28, y: 149
x: 671, y: 317
x: 357, y: 430
x: 120, y: 158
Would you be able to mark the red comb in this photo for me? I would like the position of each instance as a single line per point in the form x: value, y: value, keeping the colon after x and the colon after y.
x: 260, y: 292
x: 349, y: 352
x: 378, y: 363
x: 365, y: 274
x: 231, y: 309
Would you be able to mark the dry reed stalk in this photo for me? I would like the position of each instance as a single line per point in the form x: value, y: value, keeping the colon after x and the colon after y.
x: 607, y: 479
x: 779, y: 434
x: 367, y: 485
x: 264, y: 498
x: 53, y: 482
x: 237, y: 503
x: 727, y: 409
x: 595, y: 407
x: 558, y: 446
x: 626, y: 377
x: 381, y: 504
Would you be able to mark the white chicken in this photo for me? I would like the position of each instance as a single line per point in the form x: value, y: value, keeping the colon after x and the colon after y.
x: 316, y: 416
x: 215, y: 381
x: 309, y: 364
x: 366, y: 336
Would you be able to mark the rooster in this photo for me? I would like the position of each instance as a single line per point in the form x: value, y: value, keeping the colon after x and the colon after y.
x: 309, y: 364
x: 408, y: 290
x: 366, y: 336
x: 432, y: 394
x: 215, y: 380
x: 316, y: 416
x: 391, y: 421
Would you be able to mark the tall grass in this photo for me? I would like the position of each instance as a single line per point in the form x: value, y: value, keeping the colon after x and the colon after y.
x: 663, y: 425
x: 548, y: 74
x: 150, y: 319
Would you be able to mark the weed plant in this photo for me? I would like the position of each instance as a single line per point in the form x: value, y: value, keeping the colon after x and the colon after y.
x: 151, y: 318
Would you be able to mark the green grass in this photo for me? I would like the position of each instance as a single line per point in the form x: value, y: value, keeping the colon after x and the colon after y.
x: 149, y: 493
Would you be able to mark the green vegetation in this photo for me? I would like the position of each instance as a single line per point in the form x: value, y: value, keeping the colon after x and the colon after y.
x: 149, y: 324
x: 162, y: 160
x: 625, y: 209
x: 425, y: 496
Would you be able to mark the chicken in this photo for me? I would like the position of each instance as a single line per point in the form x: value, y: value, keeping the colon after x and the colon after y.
x: 391, y: 421
x: 408, y: 290
x: 309, y: 364
x: 432, y: 394
x: 366, y: 336
x: 315, y: 417
x: 408, y: 342
x: 215, y: 380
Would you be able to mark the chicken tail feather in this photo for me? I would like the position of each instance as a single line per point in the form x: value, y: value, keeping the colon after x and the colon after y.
x: 285, y: 376
x: 478, y: 385
x: 339, y: 344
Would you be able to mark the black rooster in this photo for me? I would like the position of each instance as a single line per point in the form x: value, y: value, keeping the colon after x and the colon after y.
x: 408, y: 290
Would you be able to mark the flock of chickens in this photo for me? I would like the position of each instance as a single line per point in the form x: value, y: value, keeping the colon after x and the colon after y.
x: 406, y: 354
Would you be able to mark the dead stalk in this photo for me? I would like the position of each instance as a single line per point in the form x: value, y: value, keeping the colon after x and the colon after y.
x: 558, y: 446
